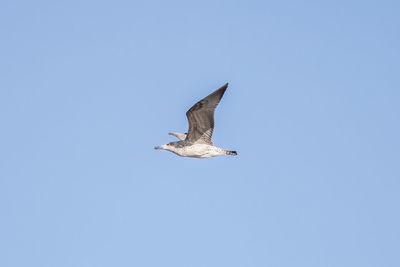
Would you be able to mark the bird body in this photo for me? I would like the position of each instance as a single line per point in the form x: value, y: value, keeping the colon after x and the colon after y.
x: 197, y: 142
x: 184, y: 149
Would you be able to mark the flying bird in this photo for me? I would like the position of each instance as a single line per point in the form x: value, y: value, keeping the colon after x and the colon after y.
x: 196, y: 143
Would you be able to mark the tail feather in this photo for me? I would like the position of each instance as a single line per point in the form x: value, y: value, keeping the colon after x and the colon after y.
x: 230, y: 152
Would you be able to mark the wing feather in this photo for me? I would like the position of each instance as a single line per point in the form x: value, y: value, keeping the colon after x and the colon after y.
x: 201, y: 117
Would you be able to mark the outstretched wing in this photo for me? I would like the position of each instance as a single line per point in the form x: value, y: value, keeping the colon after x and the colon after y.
x: 201, y: 118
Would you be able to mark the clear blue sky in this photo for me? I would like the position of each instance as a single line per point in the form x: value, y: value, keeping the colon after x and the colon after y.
x: 88, y: 88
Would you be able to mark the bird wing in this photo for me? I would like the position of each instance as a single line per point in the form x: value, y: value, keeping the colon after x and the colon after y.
x: 180, y: 136
x: 201, y: 118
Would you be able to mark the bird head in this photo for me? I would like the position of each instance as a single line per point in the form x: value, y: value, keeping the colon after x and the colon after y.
x: 167, y: 146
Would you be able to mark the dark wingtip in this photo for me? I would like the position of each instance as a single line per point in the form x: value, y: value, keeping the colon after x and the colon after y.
x: 223, y: 89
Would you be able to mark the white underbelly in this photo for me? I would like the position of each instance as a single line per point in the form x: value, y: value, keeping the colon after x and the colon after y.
x: 201, y: 151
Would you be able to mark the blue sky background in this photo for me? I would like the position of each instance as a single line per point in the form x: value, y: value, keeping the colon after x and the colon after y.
x: 88, y: 88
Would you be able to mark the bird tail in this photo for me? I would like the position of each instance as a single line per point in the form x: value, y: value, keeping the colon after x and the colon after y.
x: 230, y: 152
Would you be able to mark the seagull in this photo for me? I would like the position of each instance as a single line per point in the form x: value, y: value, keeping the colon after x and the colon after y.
x: 196, y: 143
